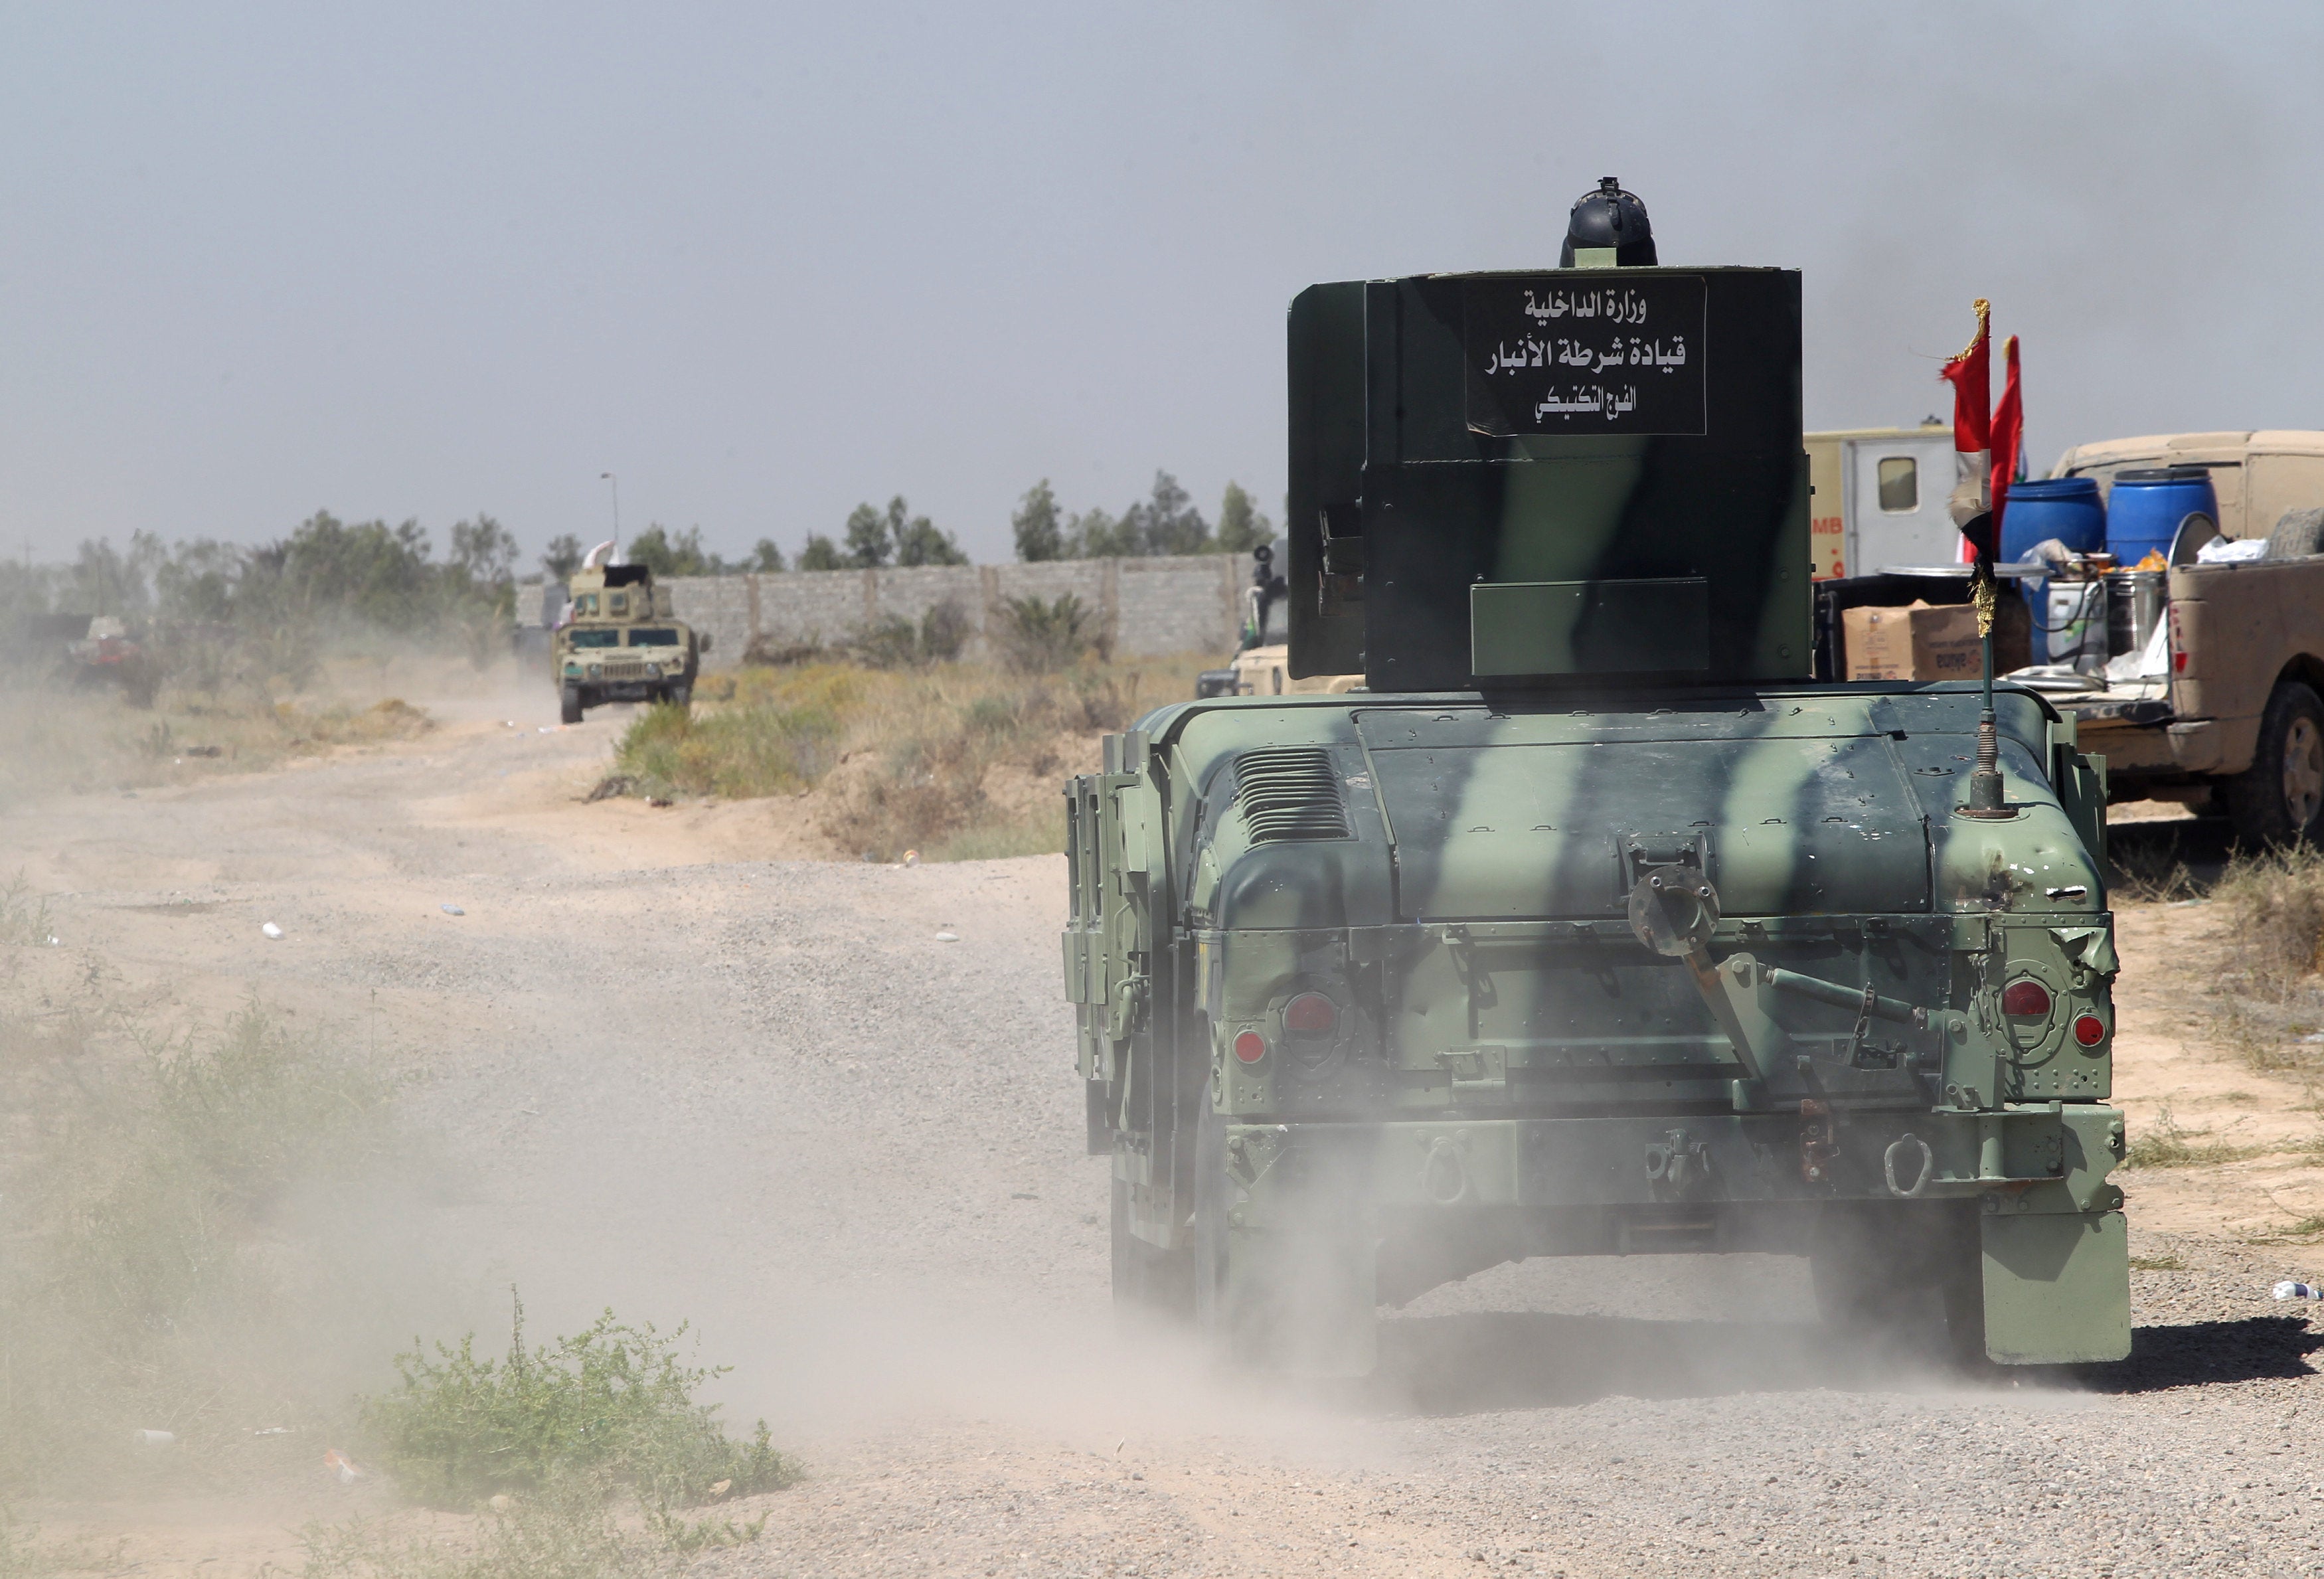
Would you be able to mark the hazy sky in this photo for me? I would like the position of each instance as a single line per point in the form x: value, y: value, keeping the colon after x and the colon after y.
x: 765, y: 262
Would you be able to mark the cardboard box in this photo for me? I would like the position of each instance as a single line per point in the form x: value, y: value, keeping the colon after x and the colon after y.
x: 1917, y: 641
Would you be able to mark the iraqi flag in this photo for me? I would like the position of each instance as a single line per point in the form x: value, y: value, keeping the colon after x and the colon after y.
x: 1985, y: 440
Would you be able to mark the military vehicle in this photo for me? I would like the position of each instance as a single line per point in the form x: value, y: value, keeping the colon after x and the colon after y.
x: 1261, y: 666
x: 1595, y: 926
x: 619, y: 642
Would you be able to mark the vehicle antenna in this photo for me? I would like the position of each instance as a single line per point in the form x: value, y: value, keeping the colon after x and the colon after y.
x: 1984, y: 780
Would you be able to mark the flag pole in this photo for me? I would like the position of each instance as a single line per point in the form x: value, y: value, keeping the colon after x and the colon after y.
x: 1981, y: 436
x: 1985, y: 786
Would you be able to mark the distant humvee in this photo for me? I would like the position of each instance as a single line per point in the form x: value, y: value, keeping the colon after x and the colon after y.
x: 619, y: 643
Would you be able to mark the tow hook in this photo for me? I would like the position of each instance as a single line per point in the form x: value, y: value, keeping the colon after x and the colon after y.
x: 1818, y: 1148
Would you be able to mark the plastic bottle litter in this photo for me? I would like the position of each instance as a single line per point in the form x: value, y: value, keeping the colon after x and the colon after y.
x: 274, y: 933
x: 2290, y: 1290
x: 153, y: 1438
x: 452, y: 909
x: 947, y: 937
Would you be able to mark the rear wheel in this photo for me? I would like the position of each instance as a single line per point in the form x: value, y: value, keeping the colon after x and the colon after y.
x: 2279, y: 799
x: 1298, y: 1295
x: 569, y: 699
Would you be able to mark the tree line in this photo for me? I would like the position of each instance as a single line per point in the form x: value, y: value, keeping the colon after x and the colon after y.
x: 391, y: 577
x: 1166, y: 521
x: 384, y: 575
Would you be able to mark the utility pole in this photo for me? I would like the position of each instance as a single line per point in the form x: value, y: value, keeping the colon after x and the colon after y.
x: 610, y: 477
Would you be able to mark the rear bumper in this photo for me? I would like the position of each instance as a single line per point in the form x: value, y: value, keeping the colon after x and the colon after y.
x: 2050, y: 1158
x: 1436, y: 1201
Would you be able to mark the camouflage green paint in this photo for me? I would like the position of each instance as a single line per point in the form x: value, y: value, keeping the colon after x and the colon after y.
x: 1360, y: 971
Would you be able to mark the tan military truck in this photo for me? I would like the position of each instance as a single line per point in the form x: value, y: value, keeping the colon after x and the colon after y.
x: 2217, y: 699
x: 619, y: 642
x: 1261, y: 666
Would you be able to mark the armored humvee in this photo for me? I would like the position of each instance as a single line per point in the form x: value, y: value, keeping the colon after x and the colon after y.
x: 1593, y: 925
x: 620, y: 644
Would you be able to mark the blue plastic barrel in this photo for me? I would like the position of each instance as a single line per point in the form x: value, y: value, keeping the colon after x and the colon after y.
x: 2143, y: 516
x: 2066, y: 508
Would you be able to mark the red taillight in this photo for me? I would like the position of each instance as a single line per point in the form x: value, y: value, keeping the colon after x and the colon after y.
x: 1250, y: 1047
x: 2026, y: 997
x: 1310, y: 1015
x: 2090, y: 1031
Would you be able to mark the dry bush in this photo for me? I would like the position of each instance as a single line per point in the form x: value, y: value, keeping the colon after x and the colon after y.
x: 2275, y: 905
x: 2270, y: 998
x: 2149, y: 869
x: 960, y: 762
x: 75, y: 741
x: 2164, y: 1144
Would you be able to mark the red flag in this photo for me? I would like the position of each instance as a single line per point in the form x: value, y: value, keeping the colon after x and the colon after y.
x: 2008, y: 436
x: 1971, y: 376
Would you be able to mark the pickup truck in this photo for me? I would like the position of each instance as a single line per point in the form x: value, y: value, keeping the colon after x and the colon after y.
x: 2235, y: 721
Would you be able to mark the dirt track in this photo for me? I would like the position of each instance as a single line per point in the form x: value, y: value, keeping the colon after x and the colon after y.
x: 850, y: 1154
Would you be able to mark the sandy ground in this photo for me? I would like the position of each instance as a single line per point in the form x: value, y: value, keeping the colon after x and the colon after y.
x: 686, y: 1076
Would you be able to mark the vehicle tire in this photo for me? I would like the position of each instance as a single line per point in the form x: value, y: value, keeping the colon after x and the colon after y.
x: 1296, y: 1299
x: 1213, y: 1196
x: 2299, y: 534
x: 569, y: 699
x: 680, y: 696
x: 2279, y: 799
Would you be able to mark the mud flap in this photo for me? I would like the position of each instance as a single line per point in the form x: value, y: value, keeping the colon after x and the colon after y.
x: 2057, y: 1288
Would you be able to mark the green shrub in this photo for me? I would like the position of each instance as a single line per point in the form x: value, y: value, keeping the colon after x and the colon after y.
x: 1039, y: 637
x: 612, y: 1405
x: 735, y: 752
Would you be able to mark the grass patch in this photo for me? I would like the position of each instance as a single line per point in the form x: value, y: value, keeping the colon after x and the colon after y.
x: 2163, y: 1144
x: 24, y: 919
x: 611, y: 1407
x: 2149, y: 870
x: 66, y: 740
x: 22, y: 1556
x: 2268, y: 997
x: 767, y: 739
x: 2306, y: 1228
x: 2274, y: 904
x: 151, y: 1201
x: 957, y: 761
x: 2157, y: 1263
x: 569, y: 1531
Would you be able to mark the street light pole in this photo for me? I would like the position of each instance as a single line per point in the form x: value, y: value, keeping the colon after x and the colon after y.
x: 610, y: 477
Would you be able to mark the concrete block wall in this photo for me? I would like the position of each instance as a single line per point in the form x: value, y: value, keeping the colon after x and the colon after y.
x: 1183, y: 604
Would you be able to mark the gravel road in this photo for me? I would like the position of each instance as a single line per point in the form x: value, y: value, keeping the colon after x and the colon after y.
x: 765, y: 1097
